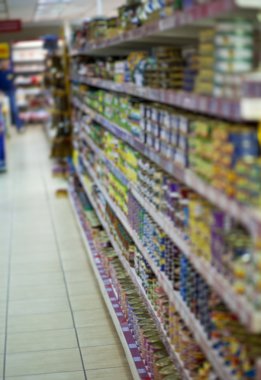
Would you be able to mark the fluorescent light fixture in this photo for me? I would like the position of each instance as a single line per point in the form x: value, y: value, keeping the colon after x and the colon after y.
x: 44, y: 2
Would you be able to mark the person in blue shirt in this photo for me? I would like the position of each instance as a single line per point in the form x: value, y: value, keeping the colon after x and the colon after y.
x: 8, y: 87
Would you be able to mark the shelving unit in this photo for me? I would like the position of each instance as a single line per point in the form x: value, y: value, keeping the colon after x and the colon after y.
x: 238, y: 304
x: 177, y: 301
x: 176, y: 359
x: 247, y: 216
x: 57, y: 87
x: 28, y: 61
x: 232, y: 110
x: 175, y: 25
x: 109, y: 296
x: 180, y: 27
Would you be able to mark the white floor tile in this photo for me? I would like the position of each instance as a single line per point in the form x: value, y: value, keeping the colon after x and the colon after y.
x: 48, y: 303
x: 41, y: 341
x: 79, y: 375
x: 34, y: 363
x: 37, y: 322
x: 38, y: 306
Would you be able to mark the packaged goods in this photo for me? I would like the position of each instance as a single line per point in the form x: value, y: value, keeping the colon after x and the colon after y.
x: 221, y: 326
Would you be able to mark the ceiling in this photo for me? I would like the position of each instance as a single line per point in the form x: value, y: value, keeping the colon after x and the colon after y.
x: 39, y: 11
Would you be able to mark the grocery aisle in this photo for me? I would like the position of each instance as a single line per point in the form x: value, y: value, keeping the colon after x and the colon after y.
x: 53, y: 323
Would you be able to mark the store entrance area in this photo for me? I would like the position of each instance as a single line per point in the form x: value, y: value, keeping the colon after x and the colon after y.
x: 53, y: 322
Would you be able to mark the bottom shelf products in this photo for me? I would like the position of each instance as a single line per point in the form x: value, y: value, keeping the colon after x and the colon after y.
x: 149, y: 354
x: 144, y: 330
x: 227, y: 339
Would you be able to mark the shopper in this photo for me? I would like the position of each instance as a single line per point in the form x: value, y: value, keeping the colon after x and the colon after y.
x: 8, y: 87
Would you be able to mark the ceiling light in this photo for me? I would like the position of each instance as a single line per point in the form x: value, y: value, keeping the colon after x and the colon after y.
x: 41, y: 2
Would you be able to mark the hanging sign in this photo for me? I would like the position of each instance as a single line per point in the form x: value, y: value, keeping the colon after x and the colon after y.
x: 10, y: 26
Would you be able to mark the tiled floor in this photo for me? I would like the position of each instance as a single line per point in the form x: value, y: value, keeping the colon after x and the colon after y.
x: 53, y: 322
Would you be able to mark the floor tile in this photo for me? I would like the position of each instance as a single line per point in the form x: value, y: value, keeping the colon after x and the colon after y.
x: 27, y: 246
x: 37, y: 279
x: 102, y: 336
x: 35, y: 257
x: 92, y: 317
x: 85, y: 302
x: 118, y: 373
x: 38, y: 306
x: 1, y: 365
x: 79, y: 276
x: 75, y: 265
x: 39, y: 322
x: 16, y: 248
x: 64, y: 231
x: 2, y: 309
x: 41, y: 341
x: 37, y: 292
x: 79, y: 375
x: 35, y: 236
x: 82, y: 288
x: 34, y: 363
x: 71, y: 254
x: 103, y: 357
x: 2, y: 344
x: 71, y: 243
x: 36, y: 267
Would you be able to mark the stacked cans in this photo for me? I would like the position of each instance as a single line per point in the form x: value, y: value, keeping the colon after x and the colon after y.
x: 234, y: 56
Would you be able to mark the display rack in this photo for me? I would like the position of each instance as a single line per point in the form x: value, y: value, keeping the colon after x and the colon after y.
x: 28, y: 61
x: 247, y: 216
x: 109, y: 296
x: 176, y: 23
x: 175, y: 357
x: 228, y: 109
x: 238, y: 304
x: 182, y: 25
x: 57, y: 87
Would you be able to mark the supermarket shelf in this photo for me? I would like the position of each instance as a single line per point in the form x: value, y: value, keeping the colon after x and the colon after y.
x: 131, y: 272
x: 181, y: 24
x: 28, y: 61
x: 29, y: 72
x: 245, y: 215
x: 239, y: 305
x: 108, y: 295
x: 26, y: 85
x: 164, y: 282
x: 236, y: 303
x: 107, y: 162
x: 228, y: 109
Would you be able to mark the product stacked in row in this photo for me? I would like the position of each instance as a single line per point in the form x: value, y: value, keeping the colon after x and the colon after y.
x: 162, y: 178
x: 133, y: 14
x: 215, y: 67
x: 140, y: 323
x: 219, y: 152
x: 212, y: 233
x: 192, y: 356
x: 228, y: 337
